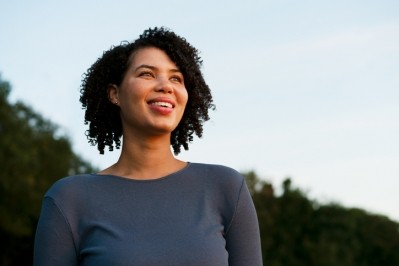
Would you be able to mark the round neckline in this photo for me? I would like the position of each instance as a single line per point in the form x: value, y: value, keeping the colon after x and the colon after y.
x: 145, y: 180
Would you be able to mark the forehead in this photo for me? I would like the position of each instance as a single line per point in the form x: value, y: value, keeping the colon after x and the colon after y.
x: 151, y: 56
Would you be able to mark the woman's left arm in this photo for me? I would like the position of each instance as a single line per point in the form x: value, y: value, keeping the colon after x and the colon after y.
x: 243, y: 237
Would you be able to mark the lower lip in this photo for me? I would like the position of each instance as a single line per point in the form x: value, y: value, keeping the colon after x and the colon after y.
x: 161, y: 110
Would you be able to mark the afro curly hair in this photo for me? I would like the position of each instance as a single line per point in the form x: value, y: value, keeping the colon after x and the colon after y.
x: 103, y: 118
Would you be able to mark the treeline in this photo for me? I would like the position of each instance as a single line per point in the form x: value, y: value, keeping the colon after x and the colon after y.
x: 297, y: 231
x: 32, y: 156
x: 294, y: 229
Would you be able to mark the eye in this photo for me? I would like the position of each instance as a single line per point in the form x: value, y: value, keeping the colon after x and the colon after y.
x: 177, y: 79
x: 146, y: 74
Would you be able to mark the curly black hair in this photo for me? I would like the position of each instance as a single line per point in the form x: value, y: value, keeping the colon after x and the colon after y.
x: 105, y: 126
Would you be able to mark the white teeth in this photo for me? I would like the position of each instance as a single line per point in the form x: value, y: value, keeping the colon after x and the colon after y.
x: 163, y: 104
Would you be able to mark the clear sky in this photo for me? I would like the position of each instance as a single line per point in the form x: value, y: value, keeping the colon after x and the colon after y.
x: 306, y: 89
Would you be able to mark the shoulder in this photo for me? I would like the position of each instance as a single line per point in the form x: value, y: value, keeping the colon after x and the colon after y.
x: 68, y: 187
x: 219, y: 175
x: 217, y: 170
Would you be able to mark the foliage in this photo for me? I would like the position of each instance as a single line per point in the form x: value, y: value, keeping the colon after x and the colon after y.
x: 297, y: 231
x: 33, y: 156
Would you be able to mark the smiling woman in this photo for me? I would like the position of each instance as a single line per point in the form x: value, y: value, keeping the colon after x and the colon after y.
x: 149, y: 208
x: 103, y: 116
x: 152, y: 96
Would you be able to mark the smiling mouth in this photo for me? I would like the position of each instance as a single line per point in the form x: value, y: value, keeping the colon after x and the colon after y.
x: 162, y: 104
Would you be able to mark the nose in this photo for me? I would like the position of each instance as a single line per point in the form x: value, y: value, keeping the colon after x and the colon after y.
x: 164, y: 85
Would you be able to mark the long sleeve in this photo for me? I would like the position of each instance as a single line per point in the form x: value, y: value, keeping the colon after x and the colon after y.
x: 242, y: 238
x: 54, y: 244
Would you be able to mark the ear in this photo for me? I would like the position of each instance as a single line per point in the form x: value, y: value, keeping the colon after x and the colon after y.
x: 113, y: 94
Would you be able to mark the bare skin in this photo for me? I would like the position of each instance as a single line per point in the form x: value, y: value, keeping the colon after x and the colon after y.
x: 152, y: 98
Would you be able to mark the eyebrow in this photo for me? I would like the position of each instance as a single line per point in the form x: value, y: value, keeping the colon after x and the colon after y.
x: 155, y: 68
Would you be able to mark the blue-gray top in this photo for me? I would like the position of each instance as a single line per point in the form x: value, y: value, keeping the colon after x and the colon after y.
x: 200, y: 215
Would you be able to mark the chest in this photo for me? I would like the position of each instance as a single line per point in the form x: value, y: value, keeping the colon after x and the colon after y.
x: 152, y: 231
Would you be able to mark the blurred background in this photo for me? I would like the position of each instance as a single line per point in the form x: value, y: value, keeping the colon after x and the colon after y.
x: 307, y: 108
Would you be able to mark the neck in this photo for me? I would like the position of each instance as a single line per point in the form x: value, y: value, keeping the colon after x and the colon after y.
x: 145, y: 158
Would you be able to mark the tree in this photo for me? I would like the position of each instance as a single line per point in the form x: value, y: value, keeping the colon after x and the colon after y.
x: 298, y: 231
x: 33, y: 156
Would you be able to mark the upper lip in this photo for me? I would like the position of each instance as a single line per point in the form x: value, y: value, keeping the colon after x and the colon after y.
x: 162, y: 99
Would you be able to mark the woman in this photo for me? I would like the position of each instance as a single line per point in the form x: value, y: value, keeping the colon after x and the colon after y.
x: 149, y: 208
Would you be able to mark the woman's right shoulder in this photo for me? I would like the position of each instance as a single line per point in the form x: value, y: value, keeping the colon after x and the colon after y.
x: 68, y: 186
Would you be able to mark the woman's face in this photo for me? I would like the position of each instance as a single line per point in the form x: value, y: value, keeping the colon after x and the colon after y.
x: 152, y: 96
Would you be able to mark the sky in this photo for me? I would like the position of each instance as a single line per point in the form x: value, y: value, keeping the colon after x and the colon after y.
x: 303, y: 89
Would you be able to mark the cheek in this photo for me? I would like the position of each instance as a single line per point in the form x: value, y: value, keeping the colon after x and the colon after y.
x: 133, y: 92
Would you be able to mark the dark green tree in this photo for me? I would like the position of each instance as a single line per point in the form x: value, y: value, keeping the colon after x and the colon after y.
x: 33, y: 156
x: 298, y: 231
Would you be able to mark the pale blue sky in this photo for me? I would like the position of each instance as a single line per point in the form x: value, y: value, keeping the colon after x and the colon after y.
x: 307, y: 89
